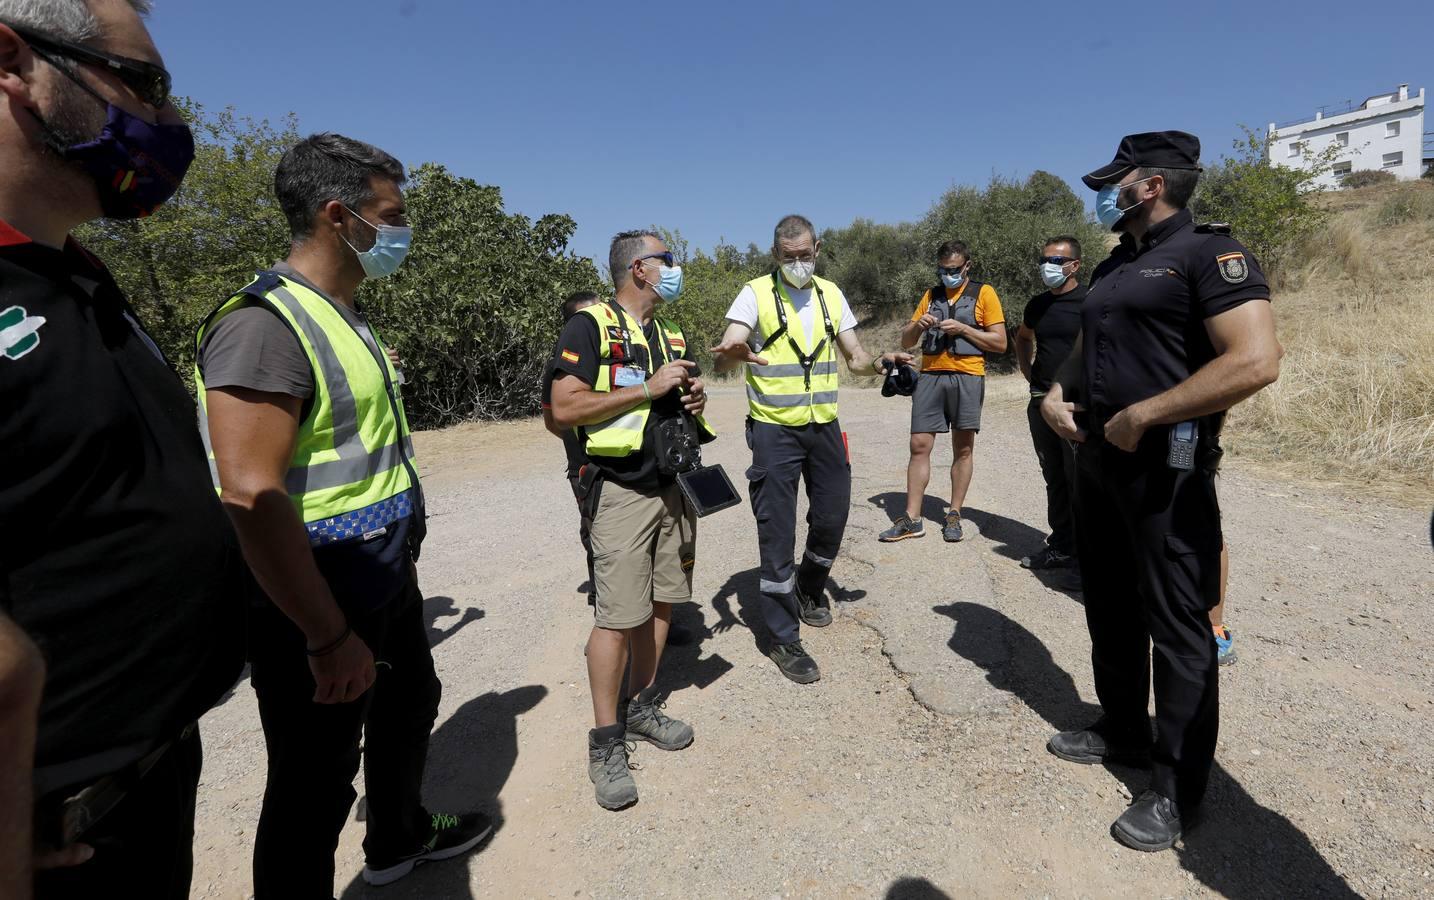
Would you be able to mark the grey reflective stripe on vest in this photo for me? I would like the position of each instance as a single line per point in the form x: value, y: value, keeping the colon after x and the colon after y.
x: 783, y: 401
x: 208, y: 445
x: 631, y: 421
x: 792, y: 370
x: 355, y: 463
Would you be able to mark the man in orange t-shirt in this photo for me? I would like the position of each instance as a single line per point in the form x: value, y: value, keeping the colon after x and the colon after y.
x: 956, y: 323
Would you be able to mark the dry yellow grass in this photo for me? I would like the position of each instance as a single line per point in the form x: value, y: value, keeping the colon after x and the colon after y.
x: 1355, y: 399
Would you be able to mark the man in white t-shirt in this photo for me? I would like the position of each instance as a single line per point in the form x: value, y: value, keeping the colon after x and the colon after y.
x: 787, y: 328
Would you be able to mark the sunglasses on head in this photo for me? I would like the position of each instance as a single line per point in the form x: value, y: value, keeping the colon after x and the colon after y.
x: 150, y: 83
x: 667, y: 259
x: 1058, y: 260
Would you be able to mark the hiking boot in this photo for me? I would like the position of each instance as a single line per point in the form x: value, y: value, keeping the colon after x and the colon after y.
x: 1048, y: 558
x: 1151, y: 823
x: 645, y: 722
x: 451, y: 836
x: 903, y: 528
x: 610, y: 773
x: 1092, y: 745
x: 1225, y: 643
x: 794, y: 662
x: 813, y: 613
x: 951, y: 531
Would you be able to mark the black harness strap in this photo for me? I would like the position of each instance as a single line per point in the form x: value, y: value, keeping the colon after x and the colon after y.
x: 807, y: 360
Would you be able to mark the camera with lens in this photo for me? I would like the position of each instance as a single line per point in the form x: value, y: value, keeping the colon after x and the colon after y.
x: 677, y: 445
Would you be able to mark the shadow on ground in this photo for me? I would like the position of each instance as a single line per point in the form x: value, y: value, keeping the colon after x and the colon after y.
x: 1237, y: 829
x: 1014, y: 539
x: 893, y: 503
x: 470, y: 757
x: 915, y: 889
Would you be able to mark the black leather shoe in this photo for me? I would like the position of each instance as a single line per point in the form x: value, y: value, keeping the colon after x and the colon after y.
x: 1151, y: 823
x: 794, y: 662
x: 1091, y: 746
x: 813, y: 613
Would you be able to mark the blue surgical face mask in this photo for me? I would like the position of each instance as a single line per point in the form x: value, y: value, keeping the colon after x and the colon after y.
x: 1053, y: 275
x: 952, y: 281
x: 1107, y: 204
x: 390, y: 246
x: 669, y: 284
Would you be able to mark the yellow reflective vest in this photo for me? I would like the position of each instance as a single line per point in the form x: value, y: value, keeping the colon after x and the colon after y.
x: 622, y: 434
x: 352, y: 465
x: 799, y: 382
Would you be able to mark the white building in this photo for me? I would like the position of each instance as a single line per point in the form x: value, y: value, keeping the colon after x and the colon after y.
x: 1384, y: 132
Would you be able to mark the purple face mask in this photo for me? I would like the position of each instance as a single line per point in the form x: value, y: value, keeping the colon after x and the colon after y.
x: 136, y: 166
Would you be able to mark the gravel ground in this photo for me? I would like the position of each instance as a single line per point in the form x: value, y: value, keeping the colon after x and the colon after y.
x: 916, y: 767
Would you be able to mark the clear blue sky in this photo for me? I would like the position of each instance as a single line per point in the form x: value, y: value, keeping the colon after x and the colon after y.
x: 718, y: 118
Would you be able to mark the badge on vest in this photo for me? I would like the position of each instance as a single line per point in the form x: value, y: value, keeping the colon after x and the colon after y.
x: 627, y: 376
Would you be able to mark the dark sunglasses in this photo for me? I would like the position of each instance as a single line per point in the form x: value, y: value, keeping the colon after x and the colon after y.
x: 1059, y: 260
x: 149, y: 82
x: 943, y: 270
x: 667, y: 259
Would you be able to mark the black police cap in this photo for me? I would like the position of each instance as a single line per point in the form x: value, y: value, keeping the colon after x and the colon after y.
x: 1150, y: 149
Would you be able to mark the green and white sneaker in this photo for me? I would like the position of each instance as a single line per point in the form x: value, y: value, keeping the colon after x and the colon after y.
x: 452, y: 836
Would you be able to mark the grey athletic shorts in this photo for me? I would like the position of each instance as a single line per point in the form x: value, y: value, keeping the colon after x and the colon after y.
x: 946, y: 400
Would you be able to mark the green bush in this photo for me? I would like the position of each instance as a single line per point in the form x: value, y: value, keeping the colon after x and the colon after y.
x: 1406, y: 206
x: 1367, y: 178
x: 474, y: 310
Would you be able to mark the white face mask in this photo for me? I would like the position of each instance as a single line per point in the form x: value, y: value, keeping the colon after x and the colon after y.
x: 1053, y: 275
x: 799, y: 272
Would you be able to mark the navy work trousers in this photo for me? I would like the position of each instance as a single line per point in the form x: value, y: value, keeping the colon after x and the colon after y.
x: 782, y: 454
x: 1149, y: 541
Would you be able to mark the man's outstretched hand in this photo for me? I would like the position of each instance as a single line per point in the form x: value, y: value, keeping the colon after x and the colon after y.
x: 734, y: 352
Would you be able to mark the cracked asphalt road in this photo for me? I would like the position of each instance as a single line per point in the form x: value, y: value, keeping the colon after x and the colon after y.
x: 916, y: 766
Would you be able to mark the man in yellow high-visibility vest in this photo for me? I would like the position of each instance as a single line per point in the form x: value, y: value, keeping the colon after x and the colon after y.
x: 299, y: 403
x: 787, y: 328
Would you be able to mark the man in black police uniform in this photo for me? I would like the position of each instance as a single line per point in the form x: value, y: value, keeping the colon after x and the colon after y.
x: 120, y: 577
x: 1047, y: 333
x: 1176, y: 328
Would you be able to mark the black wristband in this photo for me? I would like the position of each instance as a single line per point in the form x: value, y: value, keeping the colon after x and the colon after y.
x: 333, y: 645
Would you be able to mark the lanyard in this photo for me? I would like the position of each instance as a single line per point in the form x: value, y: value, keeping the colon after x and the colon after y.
x: 807, y: 360
x: 665, y: 347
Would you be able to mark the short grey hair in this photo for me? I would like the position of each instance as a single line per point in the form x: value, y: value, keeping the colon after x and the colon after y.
x: 68, y: 20
x: 626, y: 246
x: 324, y: 167
x: 793, y: 227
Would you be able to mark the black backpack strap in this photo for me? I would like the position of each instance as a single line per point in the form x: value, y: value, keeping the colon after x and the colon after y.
x: 781, y: 316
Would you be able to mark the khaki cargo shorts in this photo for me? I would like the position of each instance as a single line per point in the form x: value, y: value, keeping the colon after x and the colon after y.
x: 644, y: 543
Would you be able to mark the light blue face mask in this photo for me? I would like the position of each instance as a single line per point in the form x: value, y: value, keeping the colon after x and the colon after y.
x: 953, y: 281
x: 669, y: 285
x: 1107, y: 204
x: 390, y: 246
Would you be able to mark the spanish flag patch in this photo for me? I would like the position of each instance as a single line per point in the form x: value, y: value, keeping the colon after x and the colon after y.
x: 570, y: 357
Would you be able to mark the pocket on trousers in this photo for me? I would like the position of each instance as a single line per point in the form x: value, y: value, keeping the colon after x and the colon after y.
x: 1197, y: 563
x: 756, y: 477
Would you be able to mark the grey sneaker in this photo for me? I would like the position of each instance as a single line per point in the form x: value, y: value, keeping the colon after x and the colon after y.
x: 645, y: 722
x: 611, y: 777
x: 904, y: 527
x: 951, y: 531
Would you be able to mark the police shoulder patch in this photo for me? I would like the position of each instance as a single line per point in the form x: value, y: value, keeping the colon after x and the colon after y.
x: 1233, y: 267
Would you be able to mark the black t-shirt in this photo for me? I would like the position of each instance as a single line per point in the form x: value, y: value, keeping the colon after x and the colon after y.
x: 1143, y: 320
x: 115, y: 555
x: 1056, y: 321
x: 578, y: 355
x: 572, y: 447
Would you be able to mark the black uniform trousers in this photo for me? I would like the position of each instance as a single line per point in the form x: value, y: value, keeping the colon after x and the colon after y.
x: 1058, y: 470
x: 1149, y: 541
x: 314, y: 748
x: 782, y: 454
x: 144, y: 846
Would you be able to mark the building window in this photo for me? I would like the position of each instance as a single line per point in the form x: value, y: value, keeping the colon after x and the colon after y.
x: 1391, y: 129
x: 1294, y: 149
x: 1342, y: 169
x: 1342, y: 139
x: 1393, y: 160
